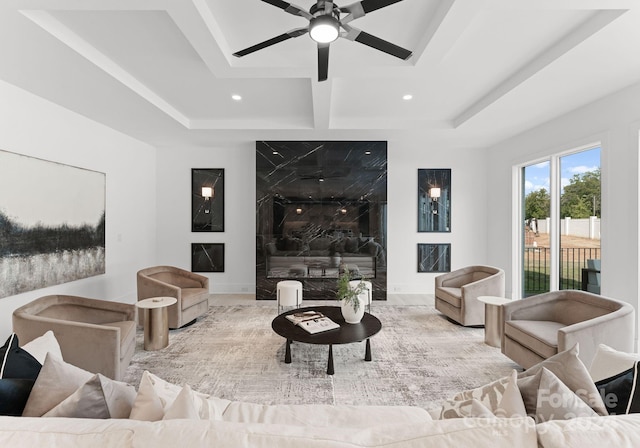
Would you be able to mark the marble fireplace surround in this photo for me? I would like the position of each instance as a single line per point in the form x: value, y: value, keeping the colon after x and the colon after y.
x: 320, y: 205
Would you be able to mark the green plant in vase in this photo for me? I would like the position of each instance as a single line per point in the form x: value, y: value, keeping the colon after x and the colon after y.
x: 348, y: 294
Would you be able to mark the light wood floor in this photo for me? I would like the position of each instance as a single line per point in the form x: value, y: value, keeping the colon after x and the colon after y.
x: 250, y: 299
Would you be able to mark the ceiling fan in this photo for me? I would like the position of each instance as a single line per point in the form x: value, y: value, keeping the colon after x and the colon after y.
x: 326, y: 24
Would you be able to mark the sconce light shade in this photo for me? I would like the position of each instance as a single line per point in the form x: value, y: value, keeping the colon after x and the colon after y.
x: 207, y: 192
x: 299, y: 211
x: 434, y: 193
x: 343, y: 211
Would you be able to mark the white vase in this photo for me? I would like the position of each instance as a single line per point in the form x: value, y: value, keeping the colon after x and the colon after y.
x: 351, y: 316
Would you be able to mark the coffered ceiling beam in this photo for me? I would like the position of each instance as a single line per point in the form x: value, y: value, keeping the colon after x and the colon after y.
x: 572, y: 39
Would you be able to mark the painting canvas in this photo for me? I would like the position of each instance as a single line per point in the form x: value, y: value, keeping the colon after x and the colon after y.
x: 207, y: 200
x: 52, y: 223
x: 207, y: 257
x: 434, y: 257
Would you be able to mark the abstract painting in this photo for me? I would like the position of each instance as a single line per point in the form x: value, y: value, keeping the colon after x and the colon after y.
x: 434, y: 200
x: 52, y: 223
x: 207, y: 257
x: 434, y: 257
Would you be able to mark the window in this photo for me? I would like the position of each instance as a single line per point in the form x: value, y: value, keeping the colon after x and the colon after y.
x: 559, y: 223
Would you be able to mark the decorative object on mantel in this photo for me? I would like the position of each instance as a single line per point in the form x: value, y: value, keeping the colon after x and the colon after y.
x: 349, y: 297
x: 434, y: 200
x: 207, y: 200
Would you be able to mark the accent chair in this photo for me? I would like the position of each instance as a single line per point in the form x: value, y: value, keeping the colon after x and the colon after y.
x: 190, y: 289
x: 457, y: 292
x: 95, y: 335
x: 540, y: 326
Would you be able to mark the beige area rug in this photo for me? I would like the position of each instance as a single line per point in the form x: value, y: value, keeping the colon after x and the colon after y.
x: 419, y: 358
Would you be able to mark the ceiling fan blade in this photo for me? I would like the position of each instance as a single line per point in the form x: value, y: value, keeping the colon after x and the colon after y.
x: 274, y: 40
x: 323, y: 62
x: 291, y: 9
x: 377, y: 43
x: 372, y: 5
x: 361, y: 8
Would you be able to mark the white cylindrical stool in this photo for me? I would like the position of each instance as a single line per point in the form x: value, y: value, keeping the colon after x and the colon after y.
x: 289, y: 293
x: 156, y: 321
x: 364, y: 296
x: 493, y: 319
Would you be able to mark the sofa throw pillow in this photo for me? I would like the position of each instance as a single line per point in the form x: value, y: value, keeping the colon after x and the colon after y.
x: 100, y: 397
x: 609, y: 362
x: 572, y: 372
x: 489, y: 394
x: 40, y: 346
x: 183, y: 407
x: 14, y: 393
x: 511, y: 404
x: 507, y: 403
x: 156, y: 395
x: 16, y: 362
x: 616, y: 391
x: 553, y: 399
x: 56, y: 381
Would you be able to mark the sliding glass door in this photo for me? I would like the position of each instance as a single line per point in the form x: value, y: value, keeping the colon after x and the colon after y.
x: 560, y: 223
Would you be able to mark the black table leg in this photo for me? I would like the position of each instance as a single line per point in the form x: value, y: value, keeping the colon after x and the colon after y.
x: 367, y: 351
x: 287, y: 352
x: 330, y: 370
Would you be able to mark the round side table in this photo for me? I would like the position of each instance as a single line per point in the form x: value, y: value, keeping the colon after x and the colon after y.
x: 156, y: 321
x: 492, y: 319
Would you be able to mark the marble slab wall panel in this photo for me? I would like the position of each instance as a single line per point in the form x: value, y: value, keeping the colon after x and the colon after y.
x: 320, y: 206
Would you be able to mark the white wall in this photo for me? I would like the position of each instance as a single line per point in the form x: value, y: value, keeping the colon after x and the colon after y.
x: 405, y: 156
x: 32, y: 126
x: 174, y: 211
x: 614, y: 121
x: 468, y: 211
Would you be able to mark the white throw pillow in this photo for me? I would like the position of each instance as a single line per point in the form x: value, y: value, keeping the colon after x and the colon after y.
x: 609, y: 362
x: 183, y: 406
x: 40, y: 346
x: 156, y: 395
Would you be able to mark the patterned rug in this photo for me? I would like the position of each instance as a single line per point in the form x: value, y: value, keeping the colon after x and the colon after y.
x: 419, y: 358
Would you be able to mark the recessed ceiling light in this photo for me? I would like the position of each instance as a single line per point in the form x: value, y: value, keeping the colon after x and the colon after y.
x: 407, y: 97
x: 236, y: 97
x: 368, y: 153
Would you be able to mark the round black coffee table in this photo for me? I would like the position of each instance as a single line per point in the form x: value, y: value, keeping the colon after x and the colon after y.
x: 346, y: 334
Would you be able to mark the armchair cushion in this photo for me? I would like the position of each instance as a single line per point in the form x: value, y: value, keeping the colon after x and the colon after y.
x: 540, y: 336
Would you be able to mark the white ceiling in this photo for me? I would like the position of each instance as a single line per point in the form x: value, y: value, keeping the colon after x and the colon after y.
x: 162, y: 71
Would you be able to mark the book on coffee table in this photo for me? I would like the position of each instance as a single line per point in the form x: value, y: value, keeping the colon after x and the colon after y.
x: 312, y: 321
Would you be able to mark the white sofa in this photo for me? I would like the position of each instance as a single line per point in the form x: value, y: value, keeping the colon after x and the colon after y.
x: 410, y: 427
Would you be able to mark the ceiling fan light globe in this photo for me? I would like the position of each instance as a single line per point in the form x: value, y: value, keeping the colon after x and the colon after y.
x: 324, y: 29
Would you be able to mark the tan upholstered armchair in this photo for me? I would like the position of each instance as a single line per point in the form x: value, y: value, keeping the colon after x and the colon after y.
x: 538, y: 327
x: 457, y: 292
x: 95, y: 335
x: 191, y: 290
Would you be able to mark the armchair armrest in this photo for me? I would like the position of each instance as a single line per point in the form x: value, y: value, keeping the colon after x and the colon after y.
x: 149, y: 287
x: 616, y: 329
x: 492, y: 285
